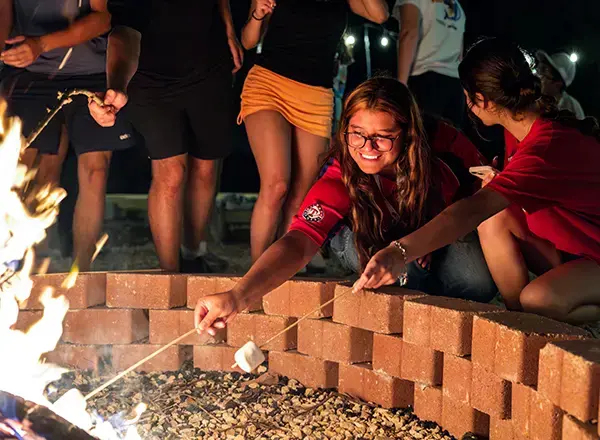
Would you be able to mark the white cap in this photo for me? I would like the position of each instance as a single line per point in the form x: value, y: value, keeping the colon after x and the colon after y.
x: 562, y: 63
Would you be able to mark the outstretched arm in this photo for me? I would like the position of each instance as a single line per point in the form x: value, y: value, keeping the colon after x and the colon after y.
x: 373, y: 10
x: 454, y: 222
x: 277, y: 265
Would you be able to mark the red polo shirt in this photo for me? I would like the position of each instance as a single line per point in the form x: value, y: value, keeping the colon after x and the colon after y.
x: 554, y: 175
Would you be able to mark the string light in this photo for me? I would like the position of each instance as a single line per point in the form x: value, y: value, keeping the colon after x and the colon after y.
x: 385, y: 41
x: 350, y: 40
x: 574, y: 57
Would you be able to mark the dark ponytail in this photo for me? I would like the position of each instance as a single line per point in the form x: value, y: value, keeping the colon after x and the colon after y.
x: 500, y: 72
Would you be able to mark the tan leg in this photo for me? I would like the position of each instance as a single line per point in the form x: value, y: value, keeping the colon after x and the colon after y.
x: 165, y: 208
x: 92, y: 171
x: 270, y: 137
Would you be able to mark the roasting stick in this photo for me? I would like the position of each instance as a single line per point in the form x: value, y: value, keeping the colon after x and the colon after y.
x: 137, y: 364
x: 300, y: 320
x: 65, y: 99
x: 192, y: 331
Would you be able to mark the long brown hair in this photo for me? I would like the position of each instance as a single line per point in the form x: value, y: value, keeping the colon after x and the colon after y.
x: 413, y: 166
x: 499, y: 71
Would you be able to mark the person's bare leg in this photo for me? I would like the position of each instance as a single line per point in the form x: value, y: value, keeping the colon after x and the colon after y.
x: 92, y: 171
x: 308, y: 152
x: 49, y: 165
x: 165, y: 208
x: 569, y: 292
x: 510, y: 251
x: 270, y: 137
x: 199, y: 200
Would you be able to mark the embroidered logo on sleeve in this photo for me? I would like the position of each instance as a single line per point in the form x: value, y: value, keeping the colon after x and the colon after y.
x: 314, y: 213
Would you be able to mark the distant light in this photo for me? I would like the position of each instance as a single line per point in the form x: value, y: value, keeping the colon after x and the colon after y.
x: 349, y: 40
x: 573, y: 57
x: 385, y: 41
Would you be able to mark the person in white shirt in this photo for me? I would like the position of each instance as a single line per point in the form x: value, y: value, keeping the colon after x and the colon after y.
x: 430, y: 48
x: 557, y: 72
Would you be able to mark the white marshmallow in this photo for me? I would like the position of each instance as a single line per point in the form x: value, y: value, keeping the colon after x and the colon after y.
x: 249, y: 357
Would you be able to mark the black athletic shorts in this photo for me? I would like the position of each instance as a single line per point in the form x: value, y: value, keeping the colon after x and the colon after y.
x: 30, y: 96
x: 196, y: 119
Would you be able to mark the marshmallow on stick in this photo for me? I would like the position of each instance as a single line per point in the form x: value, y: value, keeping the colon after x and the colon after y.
x: 250, y: 356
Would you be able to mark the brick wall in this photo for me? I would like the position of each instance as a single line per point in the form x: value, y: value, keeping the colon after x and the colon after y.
x: 469, y: 367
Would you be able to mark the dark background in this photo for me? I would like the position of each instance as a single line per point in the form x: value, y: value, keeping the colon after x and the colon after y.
x: 551, y: 25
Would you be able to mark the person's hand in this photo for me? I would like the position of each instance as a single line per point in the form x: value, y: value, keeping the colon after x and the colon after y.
x: 384, y: 268
x: 425, y: 262
x: 106, y: 115
x: 215, y: 311
x: 263, y: 8
x: 491, y: 175
x: 23, y: 55
x: 237, y: 52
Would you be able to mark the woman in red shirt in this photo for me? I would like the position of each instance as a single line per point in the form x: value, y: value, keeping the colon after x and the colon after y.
x: 383, y: 180
x: 540, y: 214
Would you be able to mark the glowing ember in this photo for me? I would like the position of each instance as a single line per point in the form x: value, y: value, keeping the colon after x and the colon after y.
x: 25, y: 214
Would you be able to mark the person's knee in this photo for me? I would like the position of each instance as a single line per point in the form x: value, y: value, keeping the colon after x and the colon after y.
x: 275, y: 192
x: 540, y: 299
x: 204, y: 174
x: 493, y: 225
x: 93, y: 173
x: 168, y: 178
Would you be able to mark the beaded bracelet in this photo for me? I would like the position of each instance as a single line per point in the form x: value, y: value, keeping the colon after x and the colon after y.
x: 403, y: 277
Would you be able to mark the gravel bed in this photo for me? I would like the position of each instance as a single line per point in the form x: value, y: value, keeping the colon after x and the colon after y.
x: 191, y: 404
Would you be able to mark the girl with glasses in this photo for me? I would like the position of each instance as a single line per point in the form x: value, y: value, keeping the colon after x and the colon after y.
x: 541, y: 214
x: 381, y: 181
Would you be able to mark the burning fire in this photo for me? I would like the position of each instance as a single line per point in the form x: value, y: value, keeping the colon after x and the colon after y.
x: 25, y: 214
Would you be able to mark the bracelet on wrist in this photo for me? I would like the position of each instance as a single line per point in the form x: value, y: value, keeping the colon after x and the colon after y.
x: 403, y: 277
x: 256, y: 18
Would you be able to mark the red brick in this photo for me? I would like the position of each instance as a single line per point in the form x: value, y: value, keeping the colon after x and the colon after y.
x: 545, y: 419
x: 521, y: 409
x: 215, y: 358
x: 387, y: 354
x: 80, y: 357
x: 490, y: 394
x: 259, y: 328
x: 379, y: 311
x: 501, y: 429
x: 309, y: 371
x: 328, y: 340
x: 550, y: 372
x: 105, y: 326
x: 457, y: 378
x: 145, y: 290
x: 299, y: 297
x: 124, y: 356
x: 515, y: 343
x: 421, y: 364
x: 428, y: 403
x: 573, y: 429
x: 387, y: 391
x: 167, y: 325
x: 89, y: 290
x: 202, y: 285
x: 444, y: 324
x: 459, y: 418
x: 26, y: 319
x: 580, y: 381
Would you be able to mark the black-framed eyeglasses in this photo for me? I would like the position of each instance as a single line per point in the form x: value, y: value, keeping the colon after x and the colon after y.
x: 379, y: 143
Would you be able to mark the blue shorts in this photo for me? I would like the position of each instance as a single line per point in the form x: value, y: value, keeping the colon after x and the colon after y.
x: 31, y: 95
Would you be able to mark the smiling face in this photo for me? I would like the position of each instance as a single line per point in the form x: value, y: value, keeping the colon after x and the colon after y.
x: 374, y: 124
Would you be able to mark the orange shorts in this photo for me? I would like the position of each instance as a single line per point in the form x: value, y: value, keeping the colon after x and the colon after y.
x: 307, y: 107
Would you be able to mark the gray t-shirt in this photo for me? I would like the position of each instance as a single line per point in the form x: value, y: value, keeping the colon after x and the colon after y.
x: 34, y: 18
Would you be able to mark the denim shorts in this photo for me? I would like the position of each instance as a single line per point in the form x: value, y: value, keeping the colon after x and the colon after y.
x: 458, y: 270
